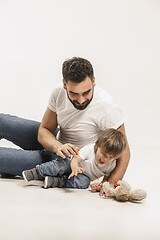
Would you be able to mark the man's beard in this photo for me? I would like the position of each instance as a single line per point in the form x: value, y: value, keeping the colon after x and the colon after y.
x: 76, y: 103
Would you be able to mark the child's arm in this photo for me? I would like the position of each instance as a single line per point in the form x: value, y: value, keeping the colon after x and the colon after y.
x: 74, y: 166
x: 122, y: 162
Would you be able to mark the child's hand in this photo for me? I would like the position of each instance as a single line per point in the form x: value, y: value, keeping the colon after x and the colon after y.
x: 76, y: 171
x: 97, y: 187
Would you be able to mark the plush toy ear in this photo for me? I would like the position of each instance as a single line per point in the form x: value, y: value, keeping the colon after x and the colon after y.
x: 137, y: 195
x: 124, y: 185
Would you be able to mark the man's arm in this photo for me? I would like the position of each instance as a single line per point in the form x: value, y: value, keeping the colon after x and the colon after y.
x: 122, y: 162
x: 47, y: 139
x: 120, y: 169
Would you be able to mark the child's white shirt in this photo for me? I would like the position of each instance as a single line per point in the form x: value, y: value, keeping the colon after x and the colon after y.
x: 92, y: 169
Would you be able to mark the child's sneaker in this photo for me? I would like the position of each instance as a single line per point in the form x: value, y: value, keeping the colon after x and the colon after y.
x: 32, y: 174
x: 52, y: 182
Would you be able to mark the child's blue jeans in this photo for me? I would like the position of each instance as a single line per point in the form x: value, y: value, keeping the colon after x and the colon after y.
x: 23, y: 133
x: 60, y: 167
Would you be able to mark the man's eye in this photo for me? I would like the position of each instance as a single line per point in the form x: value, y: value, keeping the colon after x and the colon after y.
x: 86, y: 93
x: 74, y: 94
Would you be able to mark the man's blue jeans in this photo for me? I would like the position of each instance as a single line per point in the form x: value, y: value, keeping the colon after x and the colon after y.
x: 23, y: 133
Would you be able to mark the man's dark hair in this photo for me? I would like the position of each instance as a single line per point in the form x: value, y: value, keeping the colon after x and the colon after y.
x: 77, y: 69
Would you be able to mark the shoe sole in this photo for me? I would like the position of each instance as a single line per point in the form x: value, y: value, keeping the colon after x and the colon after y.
x: 23, y: 174
x: 45, y: 182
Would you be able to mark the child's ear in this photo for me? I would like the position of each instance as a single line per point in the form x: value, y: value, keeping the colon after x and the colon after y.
x: 96, y: 147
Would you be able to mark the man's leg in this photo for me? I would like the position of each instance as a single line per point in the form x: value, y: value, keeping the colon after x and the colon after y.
x: 21, y: 132
x: 14, y: 161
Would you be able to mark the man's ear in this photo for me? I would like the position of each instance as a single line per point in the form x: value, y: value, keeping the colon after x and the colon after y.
x: 94, y: 82
x: 64, y: 84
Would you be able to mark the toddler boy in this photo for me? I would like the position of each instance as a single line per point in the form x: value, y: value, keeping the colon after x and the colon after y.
x: 93, y: 161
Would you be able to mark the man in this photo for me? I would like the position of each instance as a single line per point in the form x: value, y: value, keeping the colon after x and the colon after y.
x: 80, y: 109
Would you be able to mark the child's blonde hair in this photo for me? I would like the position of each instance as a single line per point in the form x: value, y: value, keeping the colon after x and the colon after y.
x: 111, y: 141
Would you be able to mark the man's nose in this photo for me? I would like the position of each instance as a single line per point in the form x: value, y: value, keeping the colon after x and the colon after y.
x: 81, y: 99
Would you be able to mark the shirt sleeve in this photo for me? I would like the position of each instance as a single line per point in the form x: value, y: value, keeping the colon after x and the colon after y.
x: 52, y: 100
x: 84, y: 152
x: 113, y: 118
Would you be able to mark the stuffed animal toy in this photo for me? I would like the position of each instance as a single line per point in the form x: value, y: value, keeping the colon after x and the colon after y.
x: 122, y: 192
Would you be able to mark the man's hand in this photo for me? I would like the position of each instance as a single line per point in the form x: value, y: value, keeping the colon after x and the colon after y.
x: 75, y: 171
x: 66, y: 149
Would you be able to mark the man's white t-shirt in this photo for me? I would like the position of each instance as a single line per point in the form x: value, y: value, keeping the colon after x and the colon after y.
x: 92, y: 169
x: 82, y: 127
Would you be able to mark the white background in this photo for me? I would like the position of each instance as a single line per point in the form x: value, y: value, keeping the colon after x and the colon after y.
x: 120, y: 38
x: 122, y: 41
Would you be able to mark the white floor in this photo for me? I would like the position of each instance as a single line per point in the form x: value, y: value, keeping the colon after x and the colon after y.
x: 31, y: 212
